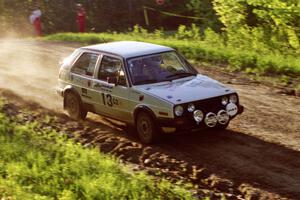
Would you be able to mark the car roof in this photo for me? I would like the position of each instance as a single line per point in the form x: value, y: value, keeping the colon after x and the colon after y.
x: 129, y: 49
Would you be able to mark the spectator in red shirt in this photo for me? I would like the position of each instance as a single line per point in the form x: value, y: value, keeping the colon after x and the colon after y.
x: 81, y: 18
x: 35, y: 20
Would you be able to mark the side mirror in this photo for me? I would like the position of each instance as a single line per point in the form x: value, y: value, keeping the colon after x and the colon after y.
x: 112, y: 80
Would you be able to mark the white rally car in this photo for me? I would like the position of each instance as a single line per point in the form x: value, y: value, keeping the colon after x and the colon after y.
x: 149, y: 86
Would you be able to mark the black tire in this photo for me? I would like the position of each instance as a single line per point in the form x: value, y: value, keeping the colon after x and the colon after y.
x: 146, y: 128
x: 73, y: 106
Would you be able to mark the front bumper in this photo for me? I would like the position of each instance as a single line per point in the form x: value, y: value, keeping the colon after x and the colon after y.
x: 185, y: 123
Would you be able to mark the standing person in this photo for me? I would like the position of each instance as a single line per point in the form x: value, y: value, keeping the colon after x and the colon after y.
x: 35, y: 20
x: 81, y: 18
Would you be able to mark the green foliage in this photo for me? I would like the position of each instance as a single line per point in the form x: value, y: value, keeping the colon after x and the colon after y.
x: 204, y: 9
x: 139, y: 30
x: 43, y: 165
x: 211, y: 37
x: 292, y: 38
x: 184, y: 32
x: 277, y: 21
x: 159, y: 33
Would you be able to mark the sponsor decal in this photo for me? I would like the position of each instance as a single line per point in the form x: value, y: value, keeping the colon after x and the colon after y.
x: 105, y: 88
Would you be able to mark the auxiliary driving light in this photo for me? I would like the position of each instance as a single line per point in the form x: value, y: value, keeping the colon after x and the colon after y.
x: 211, y: 119
x: 191, y: 107
x: 223, y: 117
x: 198, y: 115
x: 231, y: 109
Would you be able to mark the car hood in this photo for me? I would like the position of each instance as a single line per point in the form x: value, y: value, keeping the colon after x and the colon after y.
x: 186, y: 89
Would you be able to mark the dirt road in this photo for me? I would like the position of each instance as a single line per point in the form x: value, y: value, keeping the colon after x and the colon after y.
x: 259, y: 154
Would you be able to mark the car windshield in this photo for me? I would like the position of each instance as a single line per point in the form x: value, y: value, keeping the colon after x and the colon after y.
x: 158, y: 68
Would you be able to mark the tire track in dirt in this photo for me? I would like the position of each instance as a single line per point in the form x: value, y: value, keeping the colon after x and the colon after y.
x: 258, y: 155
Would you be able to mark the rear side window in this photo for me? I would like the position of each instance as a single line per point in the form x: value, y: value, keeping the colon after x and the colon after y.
x: 85, y: 65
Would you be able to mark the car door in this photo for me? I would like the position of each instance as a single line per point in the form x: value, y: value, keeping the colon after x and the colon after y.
x: 114, y: 97
x: 82, y: 74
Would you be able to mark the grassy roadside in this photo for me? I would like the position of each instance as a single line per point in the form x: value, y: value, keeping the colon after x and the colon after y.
x: 40, y: 164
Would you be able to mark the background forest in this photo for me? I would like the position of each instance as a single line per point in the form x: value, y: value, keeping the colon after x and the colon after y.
x: 273, y: 22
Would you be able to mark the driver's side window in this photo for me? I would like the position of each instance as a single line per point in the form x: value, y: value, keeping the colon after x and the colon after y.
x: 112, y: 67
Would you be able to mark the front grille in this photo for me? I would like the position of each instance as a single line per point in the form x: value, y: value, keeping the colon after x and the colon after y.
x: 207, y: 105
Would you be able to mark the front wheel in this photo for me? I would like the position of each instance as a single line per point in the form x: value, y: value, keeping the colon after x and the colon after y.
x: 146, y: 129
x: 73, y: 106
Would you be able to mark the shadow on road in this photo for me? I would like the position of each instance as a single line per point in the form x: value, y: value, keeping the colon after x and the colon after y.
x: 232, y: 155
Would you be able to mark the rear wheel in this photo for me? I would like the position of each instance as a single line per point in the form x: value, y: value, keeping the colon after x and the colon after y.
x: 146, y: 129
x: 73, y: 106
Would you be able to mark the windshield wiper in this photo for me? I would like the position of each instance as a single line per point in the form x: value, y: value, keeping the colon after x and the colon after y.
x: 145, y: 81
x: 181, y: 74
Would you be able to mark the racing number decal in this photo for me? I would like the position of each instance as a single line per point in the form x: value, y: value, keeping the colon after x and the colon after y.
x: 109, y: 100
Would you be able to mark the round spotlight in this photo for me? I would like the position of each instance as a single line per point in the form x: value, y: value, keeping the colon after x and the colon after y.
x: 224, y: 100
x: 223, y: 117
x: 191, y: 107
x: 233, y: 98
x: 211, y: 119
x: 198, y: 115
x: 178, y: 110
x: 231, y: 109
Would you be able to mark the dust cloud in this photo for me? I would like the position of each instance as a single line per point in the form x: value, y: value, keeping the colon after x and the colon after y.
x: 30, y: 69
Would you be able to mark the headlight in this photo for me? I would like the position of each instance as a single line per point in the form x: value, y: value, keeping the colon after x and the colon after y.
x: 178, y: 110
x: 198, y: 115
x: 224, y: 100
x: 233, y: 98
x: 191, y: 107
